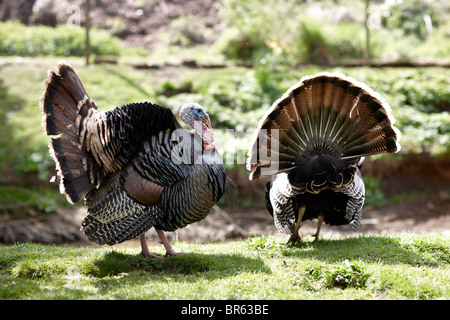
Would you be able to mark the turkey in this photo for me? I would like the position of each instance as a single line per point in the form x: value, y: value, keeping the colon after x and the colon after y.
x: 312, y: 142
x: 134, y: 166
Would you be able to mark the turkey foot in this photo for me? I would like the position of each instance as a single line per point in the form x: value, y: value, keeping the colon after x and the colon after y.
x: 295, y: 237
x: 144, y: 248
x: 165, y: 242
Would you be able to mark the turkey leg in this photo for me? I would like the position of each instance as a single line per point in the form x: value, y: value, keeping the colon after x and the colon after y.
x: 295, y: 237
x: 319, y: 224
x: 144, y: 247
x: 165, y: 242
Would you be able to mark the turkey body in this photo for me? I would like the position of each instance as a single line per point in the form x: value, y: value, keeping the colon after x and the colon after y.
x: 312, y: 143
x: 119, y: 211
x: 134, y: 166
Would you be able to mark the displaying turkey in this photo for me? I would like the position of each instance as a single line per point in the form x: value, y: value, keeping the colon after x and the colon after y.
x: 312, y: 142
x: 134, y: 166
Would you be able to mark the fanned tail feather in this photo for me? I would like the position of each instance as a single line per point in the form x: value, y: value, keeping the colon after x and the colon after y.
x: 328, y: 115
x: 64, y: 103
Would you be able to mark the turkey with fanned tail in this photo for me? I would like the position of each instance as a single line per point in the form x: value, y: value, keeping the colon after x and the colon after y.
x: 312, y: 142
x: 134, y: 166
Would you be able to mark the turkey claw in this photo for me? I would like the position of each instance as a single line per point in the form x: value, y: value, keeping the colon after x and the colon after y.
x: 150, y: 255
x: 295, y: 238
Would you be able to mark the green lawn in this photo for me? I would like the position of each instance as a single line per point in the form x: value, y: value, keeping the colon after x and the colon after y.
x: 400, y: 266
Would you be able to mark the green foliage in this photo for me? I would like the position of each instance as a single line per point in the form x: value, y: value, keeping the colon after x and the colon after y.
x: 319, y: 33
x: 265, y: 70
x: 14, y: 198
x: 348, y: 274
x: 248, y: 27
x: 432, y: 247
x: 313, y: 45
x: 264, y: 244
x: 408, y: 16
x: 9, y: 105
x: 18, y: 39
x: 169, y: 88
x: 403, y: 266
x: 186, y: 31
x: 374, y: 193
x: 254, y: 25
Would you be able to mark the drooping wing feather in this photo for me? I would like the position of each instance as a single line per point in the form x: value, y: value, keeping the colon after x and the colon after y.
x: 115, y: 137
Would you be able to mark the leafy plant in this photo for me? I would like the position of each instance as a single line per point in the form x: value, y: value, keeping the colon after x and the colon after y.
x: 264, y: 244
x: 250, y: 26
x: 408, y: 16
x: 265, y: 67
x: 18, y: 39
x: 15, y: 199
x: 348, y: 274
x: 374, y: 193
x: 187, y: 31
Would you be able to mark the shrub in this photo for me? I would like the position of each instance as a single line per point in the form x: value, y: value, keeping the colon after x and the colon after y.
x: 18, y: 39
x: 313, y: 46
x: 408, y: 16
x: 251, y: 24
x: 187, y: 31
x: 374, y: 193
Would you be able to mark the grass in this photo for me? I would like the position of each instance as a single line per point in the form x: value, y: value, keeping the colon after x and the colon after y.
x: 400, y: 266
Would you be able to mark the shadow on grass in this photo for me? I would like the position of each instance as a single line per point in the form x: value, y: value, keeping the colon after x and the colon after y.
x: 218, y: 265
x: 127, y: 80
x: 387, y: 250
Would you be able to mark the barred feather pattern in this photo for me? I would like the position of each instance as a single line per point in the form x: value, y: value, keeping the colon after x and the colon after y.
x: 117, y: 217
x: 356, y: 193
x: 280, y: 196
x: 115, y: 137
x: 88, y: 144
x: 285, y: 200
x: 121, y: 230
x: 329, y: 114
x: 191, y: 199
x: 189, y: 191
x: 63, y: 103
